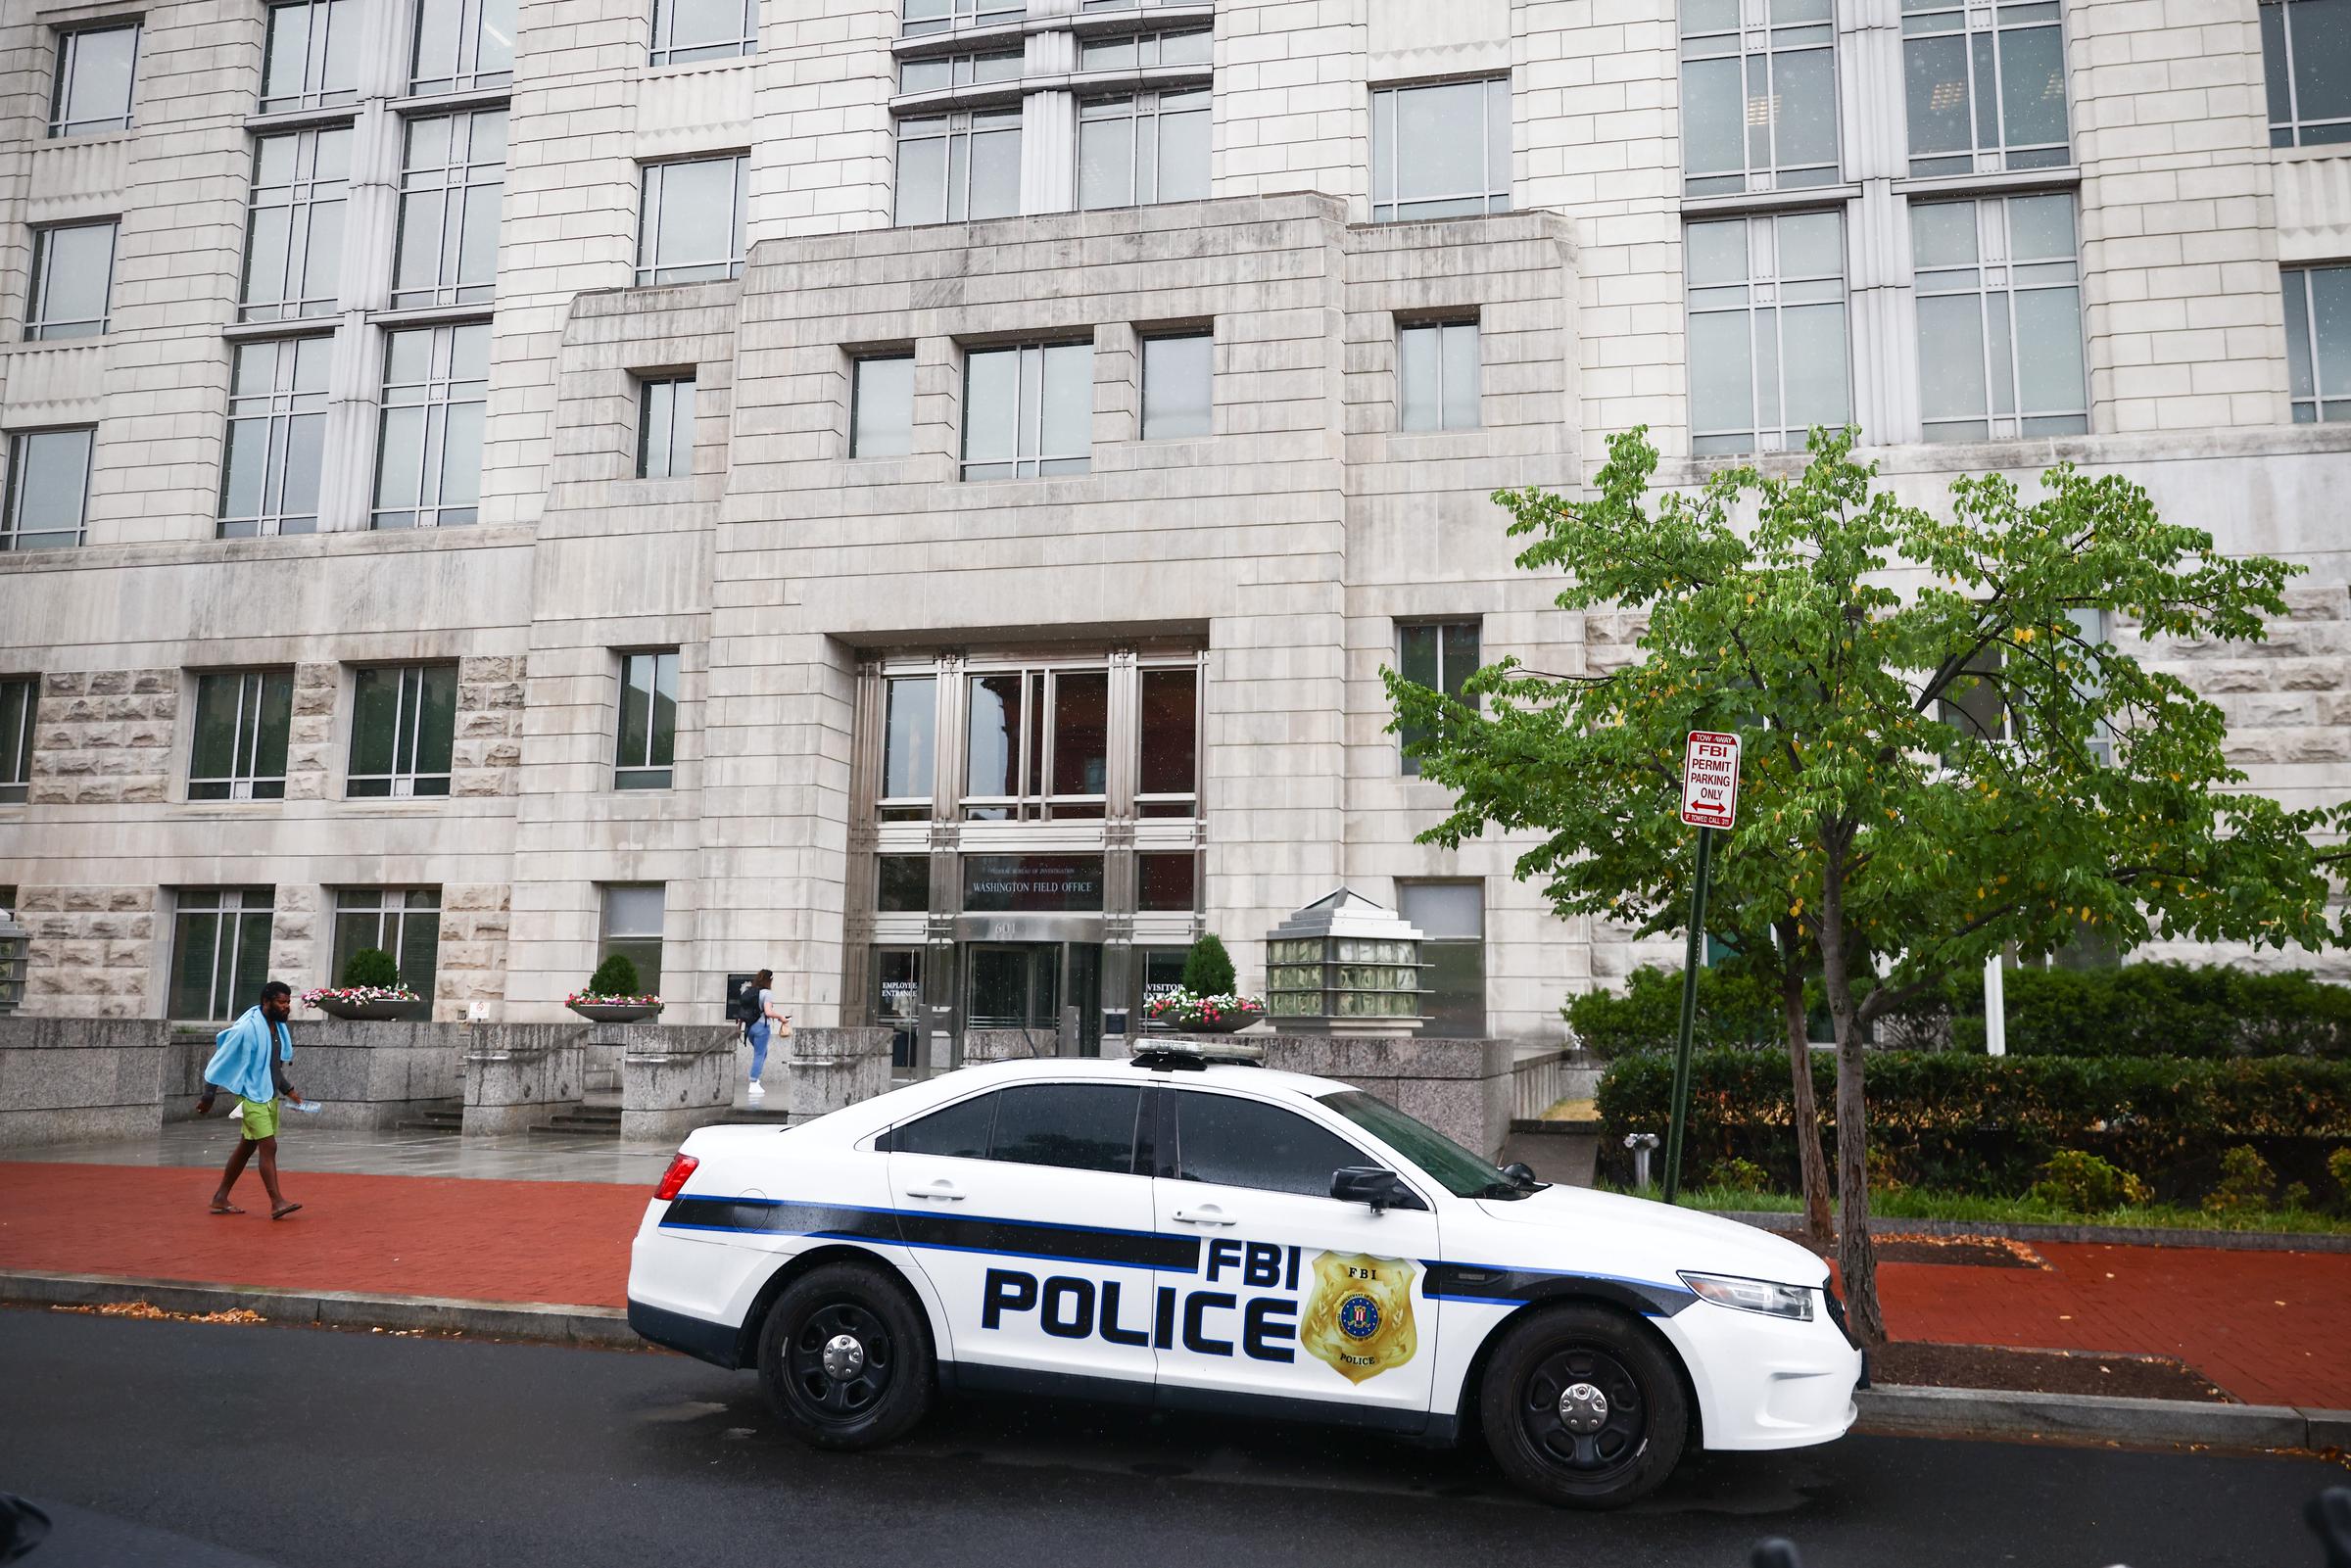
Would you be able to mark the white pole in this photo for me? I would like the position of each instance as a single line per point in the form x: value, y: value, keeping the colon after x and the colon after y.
x: 1995, y: 1008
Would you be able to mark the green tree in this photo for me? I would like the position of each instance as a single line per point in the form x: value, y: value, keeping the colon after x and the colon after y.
x: 1946, y: 755
x: 372, y: 966
x: 1207, y: 967
x: 616, y: 975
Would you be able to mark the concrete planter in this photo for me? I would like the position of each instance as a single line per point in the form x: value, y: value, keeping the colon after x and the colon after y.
x: 67, y: 1080
x: 828, y: 1069
x: 383, y: 1011
x: 1459, y: 1087
x: 616, y: 1012
x: 519, y: 1075
x: 673, y: 1080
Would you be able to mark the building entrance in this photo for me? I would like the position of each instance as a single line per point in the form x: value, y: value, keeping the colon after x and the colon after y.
x: 1032, y: 986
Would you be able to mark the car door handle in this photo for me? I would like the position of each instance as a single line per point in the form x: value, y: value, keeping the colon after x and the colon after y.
x: 1205, y: 1214
x: 942, y: 1189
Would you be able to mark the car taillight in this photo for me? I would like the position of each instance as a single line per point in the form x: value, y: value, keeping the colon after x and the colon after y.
x: 673, y: 1177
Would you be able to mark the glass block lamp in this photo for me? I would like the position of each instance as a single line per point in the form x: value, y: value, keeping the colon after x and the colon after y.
x: 15, y: 951
x: 1344, y: 964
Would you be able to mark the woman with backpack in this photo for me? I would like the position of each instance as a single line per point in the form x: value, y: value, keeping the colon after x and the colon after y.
x: 759, y: 1007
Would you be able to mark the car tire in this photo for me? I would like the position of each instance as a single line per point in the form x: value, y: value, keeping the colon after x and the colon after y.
x: 1583, y: 1408
x: 846, y: 1357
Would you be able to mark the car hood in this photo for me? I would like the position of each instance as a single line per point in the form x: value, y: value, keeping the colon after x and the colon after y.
x: 1582, y: 1222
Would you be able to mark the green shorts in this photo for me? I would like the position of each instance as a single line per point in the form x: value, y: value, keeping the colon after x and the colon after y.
x: 260, y: 1117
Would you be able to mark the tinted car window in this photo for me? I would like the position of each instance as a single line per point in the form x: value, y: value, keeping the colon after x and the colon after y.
x: 959, y: 1132
x: 1077, y: 1126
x: 1245, y: 1143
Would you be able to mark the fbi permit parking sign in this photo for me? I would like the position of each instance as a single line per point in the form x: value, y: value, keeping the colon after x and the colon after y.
x: 1710, y: 779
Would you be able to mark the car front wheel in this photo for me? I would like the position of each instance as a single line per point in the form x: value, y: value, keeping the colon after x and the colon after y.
x: 1582, y: 1407
x: 846, y: 1357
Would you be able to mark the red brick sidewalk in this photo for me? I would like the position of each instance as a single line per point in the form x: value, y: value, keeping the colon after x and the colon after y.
x: 2273, y: 1328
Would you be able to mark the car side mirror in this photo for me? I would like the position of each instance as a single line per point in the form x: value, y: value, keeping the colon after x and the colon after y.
x: 1372, y: 1184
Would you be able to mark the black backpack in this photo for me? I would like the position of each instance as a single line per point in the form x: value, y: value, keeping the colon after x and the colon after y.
x: 744, y: 1008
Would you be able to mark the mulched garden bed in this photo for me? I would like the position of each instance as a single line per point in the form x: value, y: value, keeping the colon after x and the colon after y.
x: 1982, y: 1252
x: 1999, y: 1366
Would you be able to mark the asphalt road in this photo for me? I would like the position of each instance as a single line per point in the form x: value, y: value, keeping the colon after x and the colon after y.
x: 218, y: 1446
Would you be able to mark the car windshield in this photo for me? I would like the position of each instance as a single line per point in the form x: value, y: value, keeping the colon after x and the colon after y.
x: 1448, y: 1163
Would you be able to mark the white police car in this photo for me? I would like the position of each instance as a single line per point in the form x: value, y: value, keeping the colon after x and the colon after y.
x: 1200, y: 1234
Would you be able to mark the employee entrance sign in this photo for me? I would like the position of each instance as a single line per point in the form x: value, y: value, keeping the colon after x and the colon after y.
x: 1709, y: 802
x: 1710, y: 779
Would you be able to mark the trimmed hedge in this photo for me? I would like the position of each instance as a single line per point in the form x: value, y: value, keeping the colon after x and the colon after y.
x: 1984, y: 1124
x: 1733, y: 1008
x: 2208, y: 1011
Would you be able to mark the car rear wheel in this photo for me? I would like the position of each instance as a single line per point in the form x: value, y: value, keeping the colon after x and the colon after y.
x: 846, y: 1357
x: 1583, y: 1408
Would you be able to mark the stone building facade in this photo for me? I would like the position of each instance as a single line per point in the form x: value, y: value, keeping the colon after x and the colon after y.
x: 918, y: 494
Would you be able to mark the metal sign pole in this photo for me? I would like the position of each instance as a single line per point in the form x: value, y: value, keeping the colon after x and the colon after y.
x: 1693, y: 956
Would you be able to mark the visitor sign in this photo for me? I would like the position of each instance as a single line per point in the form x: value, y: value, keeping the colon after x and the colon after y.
x: 1710, y: 779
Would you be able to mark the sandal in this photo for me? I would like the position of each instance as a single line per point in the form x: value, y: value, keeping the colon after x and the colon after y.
x: 226, y: 1208
x: 282, y: 1210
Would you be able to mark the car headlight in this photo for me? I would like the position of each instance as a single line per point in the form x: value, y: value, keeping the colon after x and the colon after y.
x: 1754, y: 1295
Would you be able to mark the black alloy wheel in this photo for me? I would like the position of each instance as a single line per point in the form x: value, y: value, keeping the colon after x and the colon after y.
x: 839, y: 1361
x: 1582, y: 1407
x: 846, y: 1357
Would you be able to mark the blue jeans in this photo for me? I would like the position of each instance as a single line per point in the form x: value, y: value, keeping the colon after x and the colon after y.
x: 758, y: 1032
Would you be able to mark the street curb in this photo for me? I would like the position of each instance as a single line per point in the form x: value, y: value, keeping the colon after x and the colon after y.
x: 604, y: 1327
x: 1898, y: 1410
x: 2228, y: 1241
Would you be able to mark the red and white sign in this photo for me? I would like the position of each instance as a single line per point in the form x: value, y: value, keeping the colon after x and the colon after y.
x: 1710, y: 779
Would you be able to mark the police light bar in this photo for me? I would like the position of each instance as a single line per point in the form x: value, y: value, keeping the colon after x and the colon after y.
x: 1161, y: 1054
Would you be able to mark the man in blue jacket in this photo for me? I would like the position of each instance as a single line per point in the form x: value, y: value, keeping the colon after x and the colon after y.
x: 251, y: 1064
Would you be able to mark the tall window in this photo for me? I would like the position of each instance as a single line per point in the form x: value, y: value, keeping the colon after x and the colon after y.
x: 2317, y: 342
x: 48, y: 488
x: 665, y: 427
x: 943, y: 73
x: 294, y: 232
x: 403, y: 921
x: 1029, y: 410
x: 1437, y: 376
x: 909, y: 746
x: 1999, y: 319
x: 648, y: 720
x: 1038, y: 745
x: 1177, y: 378
x: 1767, y: 334
x: 428, y: 462
x: 403, y: 724
x: 1440, y: 655
x: 632, y: 914
x: 1141, y: 51
x: 1986, y: 86
x: 1762, y: 120
x: 1144, y: 147
x: 1442, y: 151
x: 882, y: 407
x: 310, y: 60
x: 957, y: 166
x: 463, y: 45
x: 1168, y: 778
x: 917, y: 16
x: 276, y: 429
x: 20, y: 701
x: 452, y: 178
x: 220, y: 951
x: 73, y: 281
x: 243, y: 718
x: 96, y: 67
x: 1451, y: 918
x: 703, y: 29
x: 2306, y: 48
x: 690, y: 223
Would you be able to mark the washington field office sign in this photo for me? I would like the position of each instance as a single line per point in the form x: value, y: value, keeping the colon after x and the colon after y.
x: 1001, y: 884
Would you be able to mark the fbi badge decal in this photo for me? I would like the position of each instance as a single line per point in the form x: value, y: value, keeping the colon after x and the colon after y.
x: 1359, y: 1319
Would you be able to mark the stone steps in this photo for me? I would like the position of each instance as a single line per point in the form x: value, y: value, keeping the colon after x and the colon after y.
x: 584, y: 1121
x: 447, y: 1117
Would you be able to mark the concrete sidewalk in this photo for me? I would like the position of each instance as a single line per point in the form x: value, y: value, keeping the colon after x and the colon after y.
x: 2271, y: 1328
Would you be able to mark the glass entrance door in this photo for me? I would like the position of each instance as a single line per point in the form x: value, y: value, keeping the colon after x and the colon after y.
x: 1021, y: 985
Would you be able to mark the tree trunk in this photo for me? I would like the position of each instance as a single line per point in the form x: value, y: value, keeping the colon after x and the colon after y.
x: 1818, y: 1225
x: 1857, y: 1254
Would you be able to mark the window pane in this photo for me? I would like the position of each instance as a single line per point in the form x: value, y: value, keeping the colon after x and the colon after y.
x: 666, y: 710
x: 1714, y: 116
x: 1950, y: 356
x: 910, y: 716
x: 1803, y: 93
x: 633, y: 911
x: 1080, y: 732
x: 1417, y: 656
x: 2321, y: 34
x: 2299, y: 371
x: 1813, y: 363
x: 1243, y: 1143
x: 2033, y: 85
x: 995, y: 742
x: 1441, y: 142
x: 904, y: 884
x: 1458, y: 647
x: 2330, y: 320
x: 1170, y: 731
x: 374, y: 721
x: 76, y: 268
x: 436, y: 720
x: 1460, y: 410
x: 1069, y: 401
x: 690, y: 223
x: 2039, y: 227
x: 884, y: 415
x: 1175, y: 387
x: 1183, y: 146
x: 636, y: 709
x: 48, y: 482
x: 1416, y: 378
x: 1721, y: 373
x: 922, y: 194
x: 213, y: 752
x: 1167, y: 882
x: 958, y: 1133
x: 991, y: 403
x: 2048, y: 335
x: 1442, y: 910
x: 1935, y: 90
x: 94, y: 87
x: 1453, y: 998
x: 1106, y: 161
x: 996, y: 171
x: 1072, y: 1126
x: 275, y: 718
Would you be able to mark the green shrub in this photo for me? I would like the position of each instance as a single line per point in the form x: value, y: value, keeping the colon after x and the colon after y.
x: 2208, y: 1011
x: 1959, y: 1122
x: 614, y: 977
x: 1733, y: 1008
x: 2338, y: 1165
x: 1744, y: 1174
x: 2247, y: 1182
x: 372, y: 966
x: 2082, y: 1183
x: 1207, y: 967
